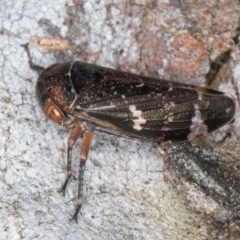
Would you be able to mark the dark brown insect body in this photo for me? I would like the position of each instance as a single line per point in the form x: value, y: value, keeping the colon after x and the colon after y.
x: 131, y: 105
x: 89, y: 98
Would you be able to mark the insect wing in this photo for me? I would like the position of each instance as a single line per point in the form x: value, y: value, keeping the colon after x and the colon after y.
x: 153, y: 109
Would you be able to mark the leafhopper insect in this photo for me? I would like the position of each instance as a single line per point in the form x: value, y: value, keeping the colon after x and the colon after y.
x: 87, y: 98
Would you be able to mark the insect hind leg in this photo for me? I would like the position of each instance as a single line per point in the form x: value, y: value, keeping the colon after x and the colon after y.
x: 74, y: 135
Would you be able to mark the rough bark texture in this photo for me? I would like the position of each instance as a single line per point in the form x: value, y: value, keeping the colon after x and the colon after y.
x: 129, y: 194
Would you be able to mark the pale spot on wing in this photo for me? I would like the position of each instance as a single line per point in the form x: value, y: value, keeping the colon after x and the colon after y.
x: 200, y: 97
x: 138, y: 114
x: 138, y: 122
x: 228, y: 110
x: 197, y: 128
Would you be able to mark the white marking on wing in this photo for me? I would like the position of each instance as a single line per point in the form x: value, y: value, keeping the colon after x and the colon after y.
x: 197, y: 128
x: 102, y: 108
x: 140, y: 85
x: 138, y: 114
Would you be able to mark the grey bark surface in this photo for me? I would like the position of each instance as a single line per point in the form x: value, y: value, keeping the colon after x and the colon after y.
x: 126, y: 195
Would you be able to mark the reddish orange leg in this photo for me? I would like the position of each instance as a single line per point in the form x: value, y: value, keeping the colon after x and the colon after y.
x: 75, y: 134
x: 86, y: 142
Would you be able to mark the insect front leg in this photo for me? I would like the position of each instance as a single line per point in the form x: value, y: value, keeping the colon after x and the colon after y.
x: 34, y: 67
x: 86, y: 142
x: 74, y: 135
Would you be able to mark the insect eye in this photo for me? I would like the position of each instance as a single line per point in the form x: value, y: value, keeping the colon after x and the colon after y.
x: 53, y: 112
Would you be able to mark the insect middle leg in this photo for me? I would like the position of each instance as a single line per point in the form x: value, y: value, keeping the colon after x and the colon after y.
x: 75, y: 134
x: 87, y: 138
